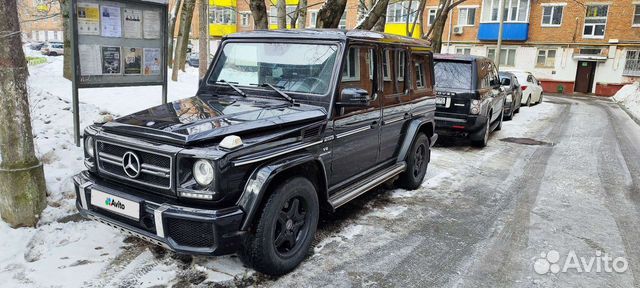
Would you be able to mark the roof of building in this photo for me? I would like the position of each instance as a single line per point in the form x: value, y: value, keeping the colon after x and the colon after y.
x: 330, y: 34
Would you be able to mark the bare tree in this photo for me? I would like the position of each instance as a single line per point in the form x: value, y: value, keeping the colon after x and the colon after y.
x: 172, y: 30
x: 330, y: 13
x: 259, y: 13
x: 203, y: 41
x: 281, y: 14
x: 183, y: 37
x: 378, y: 9
x: 436, y: 30
x: 23, y: 190
x: 300, y: 16
x: 65, y: 11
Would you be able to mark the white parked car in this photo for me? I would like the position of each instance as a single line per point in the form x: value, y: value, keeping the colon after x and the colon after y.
x: 52, y: 49
x: 531, y: 89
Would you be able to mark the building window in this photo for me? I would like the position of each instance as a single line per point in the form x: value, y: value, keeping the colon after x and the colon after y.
x: 273, y: 15
x: 632, y: 64
x: 432, y: 16
x: 467, y: 17
x: 343, y: 20
x: 313, y: 17
x: 514, y: 11
x: 222, y: 15
x: 552, y: 15
x: 244, y: 19
x: 546, y: 58
x: 507, y: 56
x: 595, y: 22
x: 398, y: 12
x: 466, y: 51
x: 636, y: 16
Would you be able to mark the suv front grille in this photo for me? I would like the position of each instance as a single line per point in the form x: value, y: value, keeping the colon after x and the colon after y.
x: 190, y: 233
x: 154, y: 171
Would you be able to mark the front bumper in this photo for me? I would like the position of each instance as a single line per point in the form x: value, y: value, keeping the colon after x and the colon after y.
x: 163, y: 222
x: 452, y: 123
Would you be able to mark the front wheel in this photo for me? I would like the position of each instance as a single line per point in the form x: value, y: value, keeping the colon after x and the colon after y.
x: 417, y: 161
x: 285, y: 230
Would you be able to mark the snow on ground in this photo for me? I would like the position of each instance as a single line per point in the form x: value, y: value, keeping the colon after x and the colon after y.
x: 629, y: 98
x: 49, y: 254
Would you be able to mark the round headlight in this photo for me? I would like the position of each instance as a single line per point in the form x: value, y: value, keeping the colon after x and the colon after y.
x: 89, y: 146
x: 203, y: 172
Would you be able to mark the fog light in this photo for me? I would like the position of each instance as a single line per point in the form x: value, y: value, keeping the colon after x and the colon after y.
x: 475, y: 110
x: 196, y: 195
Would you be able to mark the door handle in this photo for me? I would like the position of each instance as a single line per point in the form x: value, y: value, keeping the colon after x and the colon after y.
x: 407, y: 115
x: 374, y: 124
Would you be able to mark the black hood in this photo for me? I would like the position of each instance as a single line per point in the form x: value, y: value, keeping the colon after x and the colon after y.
x: 202, y: 118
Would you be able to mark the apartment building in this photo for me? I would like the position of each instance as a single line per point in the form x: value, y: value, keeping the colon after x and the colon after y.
x: 40, y: 20
x: 574, y: 46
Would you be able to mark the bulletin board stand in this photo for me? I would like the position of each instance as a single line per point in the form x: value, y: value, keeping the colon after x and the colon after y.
x: 126, y: 47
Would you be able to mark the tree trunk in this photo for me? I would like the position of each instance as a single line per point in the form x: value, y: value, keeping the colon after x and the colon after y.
x: 281, y: 11
x: 203, y: 41
x: 330, y: 14
x: 172, y: 30
x: 301, y: 14
x: 23, y: 190
x: 259, y: 13
x: 379, y: 27
x: 183, y: 37
x: 371, y: 19
x: 411, y: 26
x: 438, y: 30
x: 65, y: 10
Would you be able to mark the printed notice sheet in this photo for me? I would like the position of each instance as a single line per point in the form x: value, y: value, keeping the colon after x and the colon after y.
x: 151, y: 24
x: 111, y: 21
x: 111, y: 60
x: 88, y: 19
x: 132, y: 61
x: 151, y: 61
x: 132, y: 23
x: 89, y: 60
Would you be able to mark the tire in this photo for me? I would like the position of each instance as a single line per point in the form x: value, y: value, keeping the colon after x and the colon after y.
x: 499, y: 127
x: 417, y: 162
x: 290, y: 217
x: 528, y: 101
x: 483, y: 135
x: 540, y: 101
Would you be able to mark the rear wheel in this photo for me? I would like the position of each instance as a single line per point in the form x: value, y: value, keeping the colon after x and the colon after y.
x: 417, y: 162
x: 500, y: 118
x: 482, y: 137
x: 528, y: 101
x: 285, y: 229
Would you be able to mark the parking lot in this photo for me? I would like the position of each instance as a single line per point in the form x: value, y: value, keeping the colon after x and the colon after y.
x: 561, y: 176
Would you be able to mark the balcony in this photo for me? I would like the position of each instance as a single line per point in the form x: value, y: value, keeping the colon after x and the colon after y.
x: 511, y: 31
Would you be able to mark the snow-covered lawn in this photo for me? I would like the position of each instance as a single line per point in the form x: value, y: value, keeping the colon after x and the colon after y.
x: 64, y: 250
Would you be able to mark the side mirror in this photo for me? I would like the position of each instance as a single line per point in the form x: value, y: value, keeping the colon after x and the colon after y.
x: 506, y: 82
x: 495, y: 84
x: 354, y: 97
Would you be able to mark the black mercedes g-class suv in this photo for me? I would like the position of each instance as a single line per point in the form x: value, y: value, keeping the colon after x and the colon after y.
x: 470, y: 101
x: 284, y: 124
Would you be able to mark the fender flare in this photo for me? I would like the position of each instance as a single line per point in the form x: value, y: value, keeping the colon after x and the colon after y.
x: 260, y: 179
x: 413, y: 128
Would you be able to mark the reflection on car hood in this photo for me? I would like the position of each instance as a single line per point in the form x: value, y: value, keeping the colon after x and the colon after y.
x: 202, y: 118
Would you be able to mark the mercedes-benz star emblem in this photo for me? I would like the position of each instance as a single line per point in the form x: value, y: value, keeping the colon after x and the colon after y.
x: 131, y: 164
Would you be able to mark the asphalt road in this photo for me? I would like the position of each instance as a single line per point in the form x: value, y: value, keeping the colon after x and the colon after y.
x: 560, y: 182
x: 486, y: 215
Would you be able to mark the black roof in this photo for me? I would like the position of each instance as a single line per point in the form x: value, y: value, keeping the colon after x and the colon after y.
x: 329, y: 34
x: 459, y: 57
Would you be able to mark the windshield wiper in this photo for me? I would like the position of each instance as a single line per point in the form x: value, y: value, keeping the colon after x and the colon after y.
x: 233, y: 87
x: 284, y: 95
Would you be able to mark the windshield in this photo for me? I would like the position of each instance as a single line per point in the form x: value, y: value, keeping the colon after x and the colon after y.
x: 303, y: 68
x: 455, y: 75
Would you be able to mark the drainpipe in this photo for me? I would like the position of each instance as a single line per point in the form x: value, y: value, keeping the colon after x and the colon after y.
x: 498, y: 49
x: 449, y: 36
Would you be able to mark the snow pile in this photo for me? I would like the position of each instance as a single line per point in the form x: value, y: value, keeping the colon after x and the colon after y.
x: 629, y: 98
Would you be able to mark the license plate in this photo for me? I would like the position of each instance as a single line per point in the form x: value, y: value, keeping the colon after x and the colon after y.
x: 442, y: 100
x: 115, y: 204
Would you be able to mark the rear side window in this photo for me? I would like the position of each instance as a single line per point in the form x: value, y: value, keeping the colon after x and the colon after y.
x: 452, y: 74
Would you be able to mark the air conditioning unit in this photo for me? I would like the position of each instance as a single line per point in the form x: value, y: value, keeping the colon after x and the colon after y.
x: 458, y: 30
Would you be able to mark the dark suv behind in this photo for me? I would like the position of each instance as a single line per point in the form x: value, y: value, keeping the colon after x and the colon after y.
x: 469, y: 101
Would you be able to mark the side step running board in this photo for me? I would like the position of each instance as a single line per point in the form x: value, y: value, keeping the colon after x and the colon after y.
x: 347, y: 194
